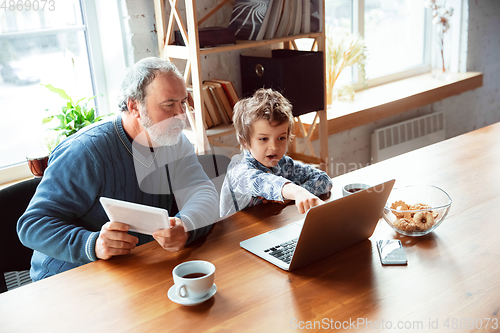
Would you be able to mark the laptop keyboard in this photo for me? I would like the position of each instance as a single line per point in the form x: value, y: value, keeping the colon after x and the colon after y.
x: 283, y: 251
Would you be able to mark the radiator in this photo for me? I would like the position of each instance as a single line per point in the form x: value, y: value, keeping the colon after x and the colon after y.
x: 17, y: 279
x: 406, y: 136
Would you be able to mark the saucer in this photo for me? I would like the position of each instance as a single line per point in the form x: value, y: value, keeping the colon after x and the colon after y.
x: 190, y: 302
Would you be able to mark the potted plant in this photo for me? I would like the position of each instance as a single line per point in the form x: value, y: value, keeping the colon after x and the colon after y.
x: 73, y: 117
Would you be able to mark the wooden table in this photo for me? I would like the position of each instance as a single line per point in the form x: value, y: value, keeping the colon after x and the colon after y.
x: 452, y: 279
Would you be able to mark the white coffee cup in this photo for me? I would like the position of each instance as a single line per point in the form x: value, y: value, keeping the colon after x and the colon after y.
x: 193, y: 279
x: 353, y: 188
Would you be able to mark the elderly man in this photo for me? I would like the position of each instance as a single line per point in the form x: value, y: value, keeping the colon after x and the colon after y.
x: 140, y: 156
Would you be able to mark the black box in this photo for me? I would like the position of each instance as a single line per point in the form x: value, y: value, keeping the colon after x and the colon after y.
x: 211, y: 36
x: 298, y: 75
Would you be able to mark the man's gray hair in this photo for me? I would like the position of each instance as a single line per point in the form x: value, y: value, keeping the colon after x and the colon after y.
x: 139, y: 76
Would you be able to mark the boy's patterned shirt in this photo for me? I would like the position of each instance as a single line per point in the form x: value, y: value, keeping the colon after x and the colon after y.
x: 248, y: 183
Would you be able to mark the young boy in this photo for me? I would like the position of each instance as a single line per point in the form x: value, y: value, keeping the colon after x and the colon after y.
x: 264, y: 124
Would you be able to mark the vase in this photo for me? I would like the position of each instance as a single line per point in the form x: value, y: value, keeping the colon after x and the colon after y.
x: 441, y: 52
x: 37, y: 163
x: 331, y: 95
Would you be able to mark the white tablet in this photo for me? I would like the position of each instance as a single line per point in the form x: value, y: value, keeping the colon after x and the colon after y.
x: 140, y: 218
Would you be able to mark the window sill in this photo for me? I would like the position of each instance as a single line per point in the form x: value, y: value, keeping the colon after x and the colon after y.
x: 11, y: 174
x: 390, y: 99
x: 7, y: 184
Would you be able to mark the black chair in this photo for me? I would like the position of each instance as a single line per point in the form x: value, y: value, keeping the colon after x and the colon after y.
x: 14, y: 200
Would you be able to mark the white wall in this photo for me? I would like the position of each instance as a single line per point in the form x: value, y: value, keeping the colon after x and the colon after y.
x: 139, y: 26
x: 464, y: 113
x: 484, y: 56
x: 140, y: 29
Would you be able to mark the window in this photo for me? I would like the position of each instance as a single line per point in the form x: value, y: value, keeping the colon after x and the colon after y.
x: 45, y: 43
x: 395, y: 34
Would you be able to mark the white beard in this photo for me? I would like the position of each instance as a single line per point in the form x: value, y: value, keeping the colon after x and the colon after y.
x: 164, y: 133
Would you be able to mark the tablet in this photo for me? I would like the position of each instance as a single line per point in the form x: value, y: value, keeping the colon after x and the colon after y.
x: 141, y: 218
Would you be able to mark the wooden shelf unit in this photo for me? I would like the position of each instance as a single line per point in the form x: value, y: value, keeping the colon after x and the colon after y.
x: 192, y: 72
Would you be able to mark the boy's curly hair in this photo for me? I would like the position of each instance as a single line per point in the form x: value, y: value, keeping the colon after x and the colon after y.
x: 265, y: 104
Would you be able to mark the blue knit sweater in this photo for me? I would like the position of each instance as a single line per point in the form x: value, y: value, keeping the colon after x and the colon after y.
x: 64, y: 217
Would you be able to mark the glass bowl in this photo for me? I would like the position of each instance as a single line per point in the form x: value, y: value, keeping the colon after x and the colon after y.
x: 416, y: 210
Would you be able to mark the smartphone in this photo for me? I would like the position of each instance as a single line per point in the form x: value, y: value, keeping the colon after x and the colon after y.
x: 391, y: 252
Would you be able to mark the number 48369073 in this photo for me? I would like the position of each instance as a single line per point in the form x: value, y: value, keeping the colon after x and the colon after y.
x: 471, y: 323
x: 28, y: 5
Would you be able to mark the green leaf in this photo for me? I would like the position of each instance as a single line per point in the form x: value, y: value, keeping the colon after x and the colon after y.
x: 47, y: 119
x: 78, y: 127
x: 90, y: 115
x: 68, y: 118
x: 58, y: 91
x: 61, y: 118
x: 73, y: 116
x: 80, y: 100
x: 103, y: 116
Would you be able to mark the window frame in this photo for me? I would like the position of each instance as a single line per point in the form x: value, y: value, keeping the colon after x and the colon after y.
x: 90, y: 27
x: 358, y: 13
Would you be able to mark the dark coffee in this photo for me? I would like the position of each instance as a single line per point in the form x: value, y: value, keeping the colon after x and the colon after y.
x: 352, y: 190
x: 194, y: 275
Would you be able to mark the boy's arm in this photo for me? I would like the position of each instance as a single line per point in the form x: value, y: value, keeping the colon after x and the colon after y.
x: 303, y: 198
x: 256, y: 183
x: 313, y: 180
x: 303, y: 184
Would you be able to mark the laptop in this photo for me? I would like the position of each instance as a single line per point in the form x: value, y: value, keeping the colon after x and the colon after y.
x: 325, y: 230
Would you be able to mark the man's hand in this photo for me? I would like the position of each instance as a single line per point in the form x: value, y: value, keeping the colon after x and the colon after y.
x: 114, y: 241
x: 303, y: 198
x: 172, y: 239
